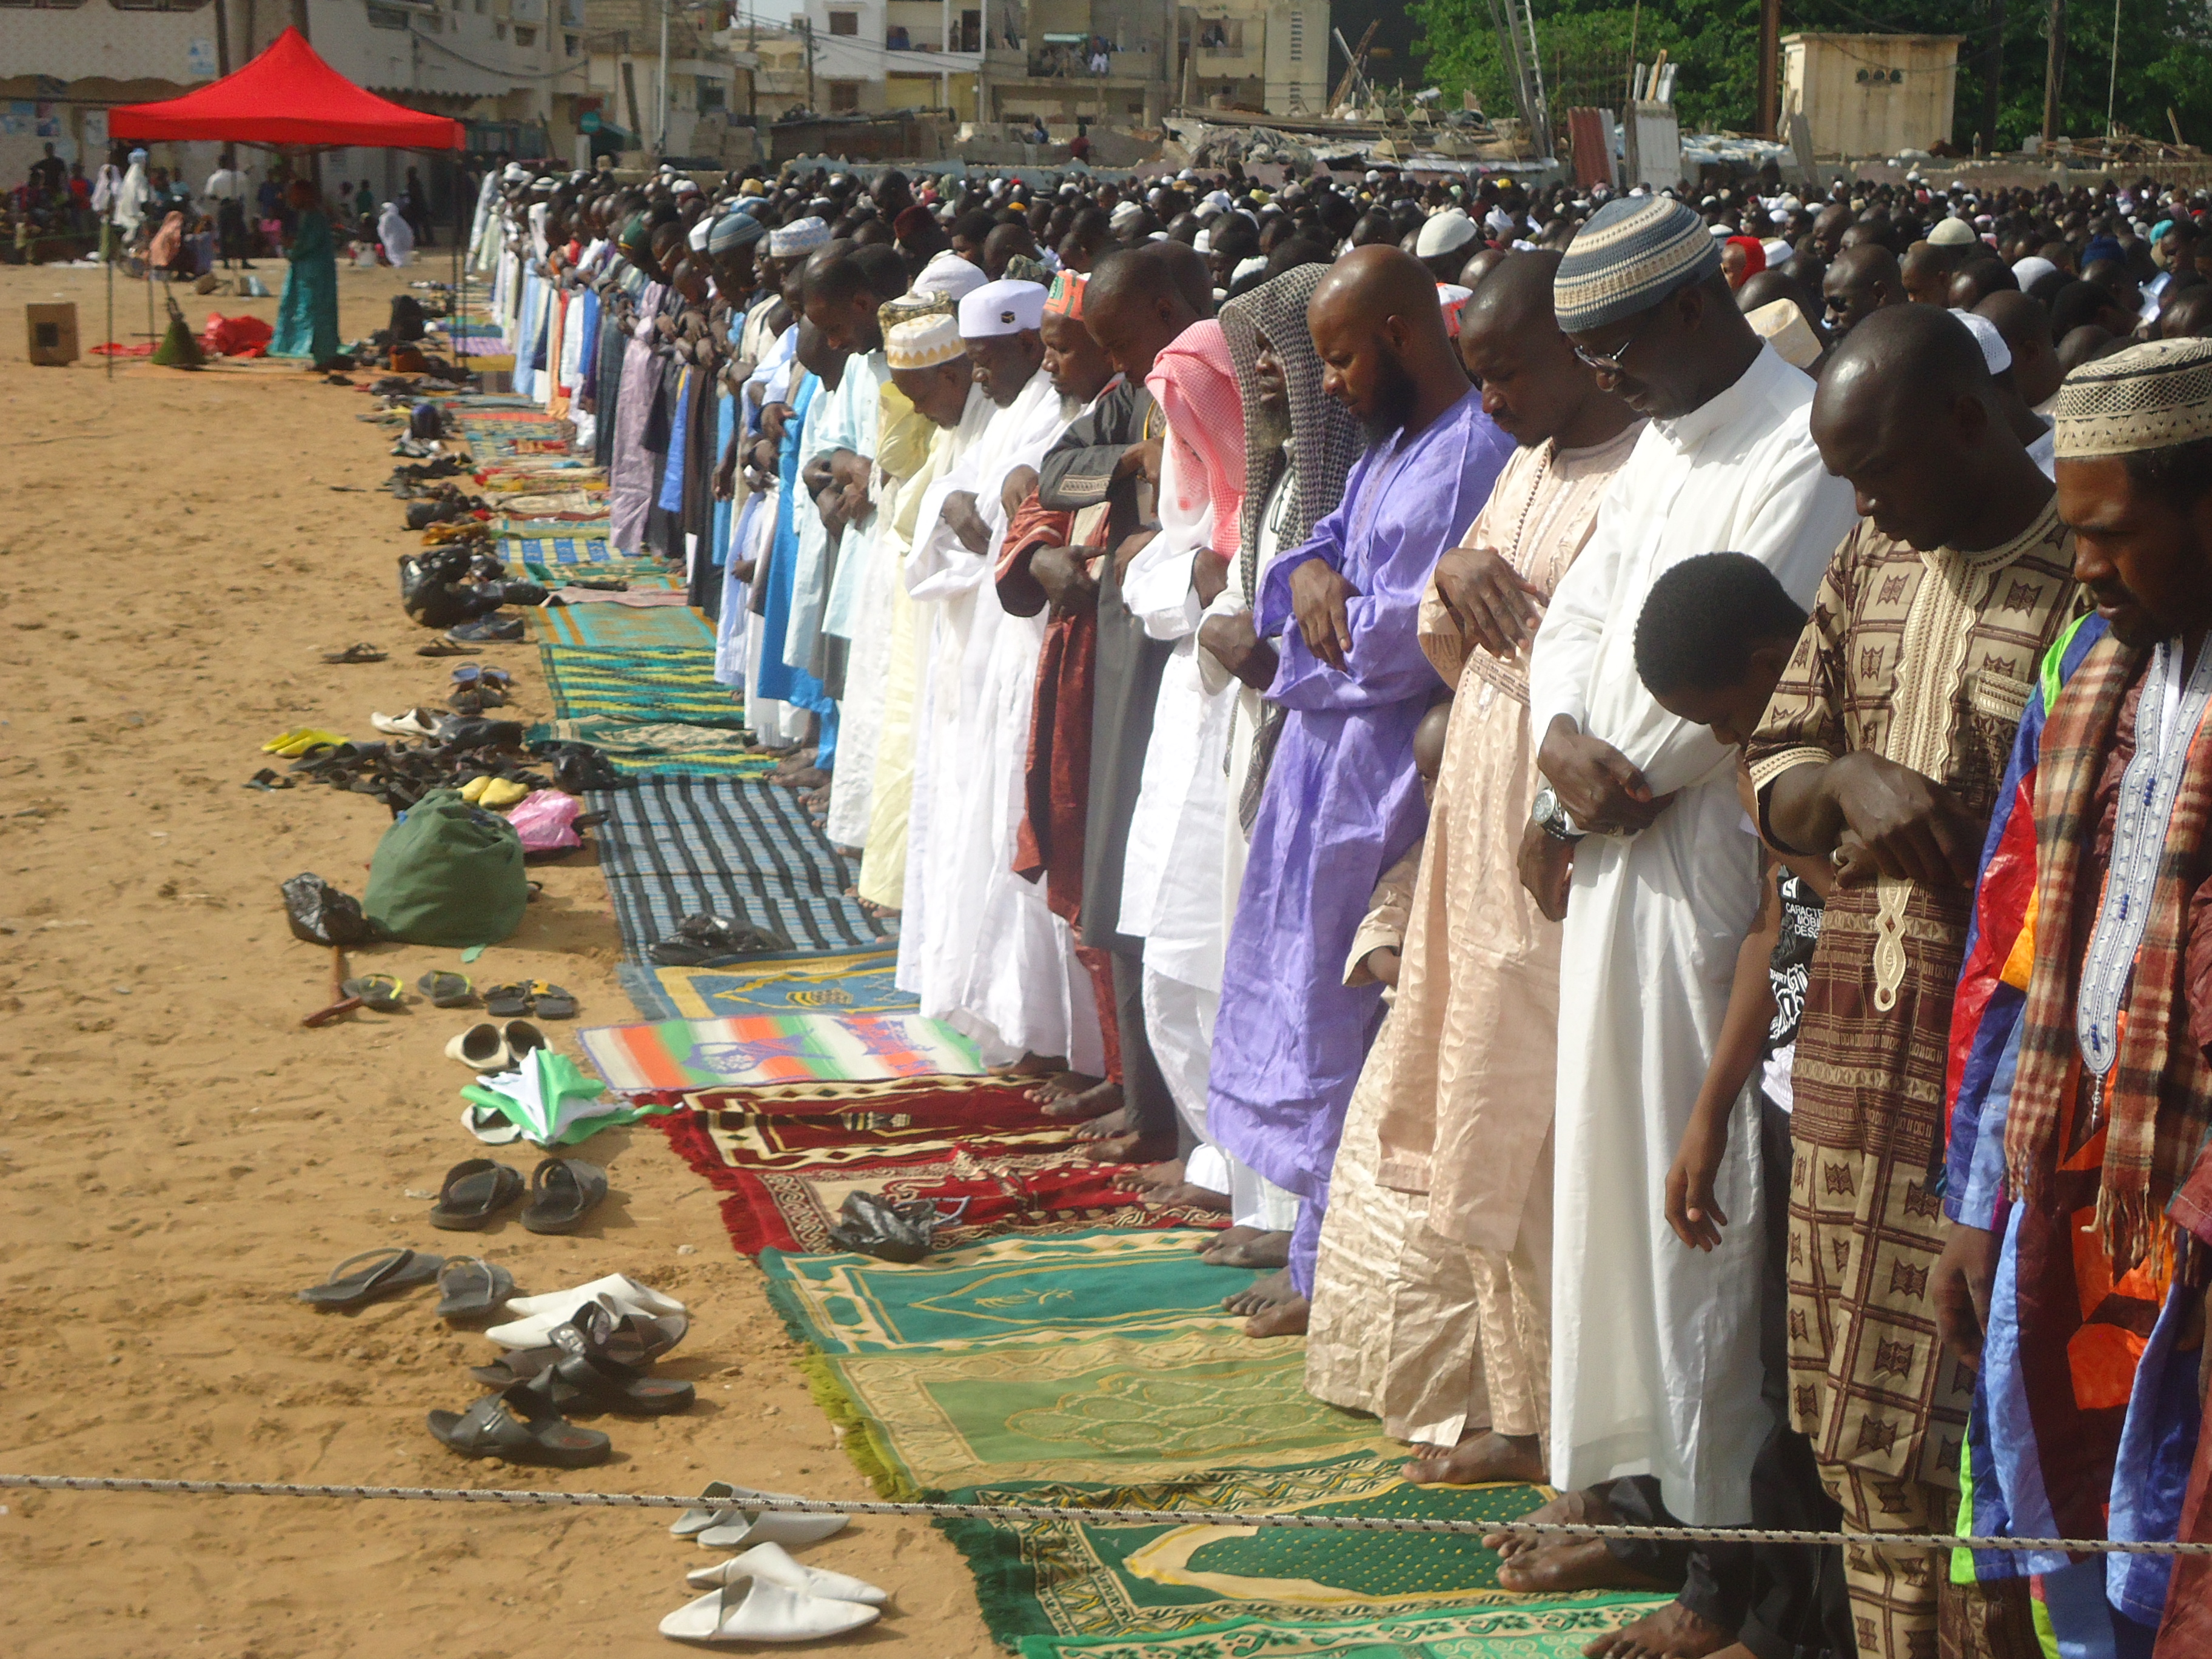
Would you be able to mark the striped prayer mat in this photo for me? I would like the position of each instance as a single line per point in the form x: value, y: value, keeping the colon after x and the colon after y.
x: 644, y: 688
x: 700, y: 1053
x: 675, y: 847
x: 625, y: 629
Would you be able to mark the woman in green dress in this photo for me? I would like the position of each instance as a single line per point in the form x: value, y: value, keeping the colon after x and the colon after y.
x: 307, y: 320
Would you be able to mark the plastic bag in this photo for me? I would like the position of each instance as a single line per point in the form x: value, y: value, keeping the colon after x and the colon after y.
x: 236, y: 336
x: 889, y: 1232
x: 447, y: 873
x: 321, y: 914
x: 546, y: 821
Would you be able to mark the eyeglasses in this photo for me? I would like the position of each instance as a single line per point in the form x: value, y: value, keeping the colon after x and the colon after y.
x: 1607, y: 365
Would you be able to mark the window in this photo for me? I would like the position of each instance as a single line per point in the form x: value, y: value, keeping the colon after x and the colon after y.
x: 844, y: 22
x: 844, y: 97
x: 157, y: 5
x: 895, y: 38
x: 43, y: 5
x: 571, y: 44
x: 713, y: 95
x: 387, y: 17
x: 498, y: 31
x: 524, y: 37
x: 971, y: 31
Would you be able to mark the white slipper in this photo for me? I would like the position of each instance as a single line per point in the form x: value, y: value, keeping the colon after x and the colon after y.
x: 711, y: 1512
x: 748, y: 1527
x: 634, y: 1297
x: 483, y: 1048
x: 536, y: 1331
x: 762, y: 1612
x: 772, y: 1563
x: 493, y: 1128
x: 414, y: 723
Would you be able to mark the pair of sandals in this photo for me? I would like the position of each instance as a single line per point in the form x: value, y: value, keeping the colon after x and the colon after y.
x: 596, y: 1362
x: 709, y: 941
x: 513, y: 1001
x: 489, y: 1049
x: 384, y: 994
x: 764, y: 1595
x: 468, y: 1287
x: 562, y: 1193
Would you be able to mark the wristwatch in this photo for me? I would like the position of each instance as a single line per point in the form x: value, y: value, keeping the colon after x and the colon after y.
x: 1549, y: 816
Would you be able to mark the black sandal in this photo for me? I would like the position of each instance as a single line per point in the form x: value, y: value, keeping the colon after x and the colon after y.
x: 599, y: 1365
x: 471, y: 1288
x: 705, y: 940
x: 473, y: 1192
x: 447, y: 990
x: 362, y: 652
x: 551, y: 1001
x: 563, y: 1193
x: 506, y: 1002
x: 396, y: 1270
x: 520, y: 1425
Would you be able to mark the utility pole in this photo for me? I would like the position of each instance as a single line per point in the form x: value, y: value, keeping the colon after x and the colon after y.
x: 1769, y: 67
x: 2054, y: 70
x: 660, y: 145
x: 222, y: 38
x: 1992, y: 74
x: 300, y: 19
x: 807, y: 34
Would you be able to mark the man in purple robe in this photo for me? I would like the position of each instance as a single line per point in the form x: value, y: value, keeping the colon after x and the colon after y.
x: 1342, y: 801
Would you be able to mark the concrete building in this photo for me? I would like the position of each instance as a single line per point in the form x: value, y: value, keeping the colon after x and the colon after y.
x: 1870, y: 95
x: 869, y: 56
x: 1127, y: 63
x: 511, y: 69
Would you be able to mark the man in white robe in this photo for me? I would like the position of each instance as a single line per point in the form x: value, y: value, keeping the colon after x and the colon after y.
x: 1655, y: 1360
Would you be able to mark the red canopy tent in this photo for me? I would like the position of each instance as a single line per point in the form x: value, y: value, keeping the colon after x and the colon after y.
x: 288, y: 95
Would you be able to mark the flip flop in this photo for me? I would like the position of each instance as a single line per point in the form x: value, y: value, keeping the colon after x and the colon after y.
x: 444, y: 648
x: 551, y: 1001
x: 473, y: 1192
x: 481, y: 1048
x: 506, y: 1002
x: 381, y: 992
x: 363, y: 652
x: 447, y: 990
x: 414, y: 723
x: 354, y: 1281
x: 269, y: 778
x: 301, y: 738
x: 471, y: 1288
x: 563, y: 1193
x: 518, y: 1424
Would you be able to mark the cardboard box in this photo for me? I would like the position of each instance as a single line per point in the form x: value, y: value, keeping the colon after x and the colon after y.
x: 53, y: 333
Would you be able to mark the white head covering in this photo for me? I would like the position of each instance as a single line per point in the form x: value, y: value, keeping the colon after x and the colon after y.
x: 2031, y: 270
x: 1952, y: 233
x: 800, y: 236
x: 1000, y: 308
x: 950, y: 275
x: 1443, y: 232
x: 1995, y: 352
x: 924, y: 343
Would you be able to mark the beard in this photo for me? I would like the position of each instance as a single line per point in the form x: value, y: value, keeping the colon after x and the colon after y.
x: 1271, y: 425
x: 1396, y: 394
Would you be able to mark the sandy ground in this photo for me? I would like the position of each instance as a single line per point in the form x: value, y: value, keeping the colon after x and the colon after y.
x: 178, y: 1155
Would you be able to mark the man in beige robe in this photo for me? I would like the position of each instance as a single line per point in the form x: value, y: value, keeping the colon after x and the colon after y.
x: 1455, y: 1106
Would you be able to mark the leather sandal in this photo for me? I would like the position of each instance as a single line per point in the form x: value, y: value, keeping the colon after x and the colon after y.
x: 521, y: 1426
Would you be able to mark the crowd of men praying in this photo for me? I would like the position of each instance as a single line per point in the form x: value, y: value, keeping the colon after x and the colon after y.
x: 1615, y: 781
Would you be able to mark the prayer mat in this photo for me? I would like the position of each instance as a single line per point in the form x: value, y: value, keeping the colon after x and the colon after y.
x: 679, y: 1055
x: 678, y: 847
x: 639, y: 688
x: 555, y: 502
x: 594, y: 528
x: 844, y: 982
x: 543, y: 446
x: 981, y: 1193
x: 555, y: 552
x: 767, y: 1138
x: 684, y: 749
x: 1515, y: 1632
x: 659, y: 598
x: 618, y: 628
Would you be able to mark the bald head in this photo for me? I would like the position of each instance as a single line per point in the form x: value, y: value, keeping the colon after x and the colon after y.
x: 1534, y: 387
x: 1133, y: 314
x: 1906, y: 411
x: 1862, y: 281
x: 1384, y: 351
x: 1514, y: 293
x: 1927, y: 271
x: 2025, y: 326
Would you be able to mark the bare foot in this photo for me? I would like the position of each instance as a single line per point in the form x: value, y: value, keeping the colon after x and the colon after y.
x: 1119, y: 1122
x: 1581, y: 1505
x: 1481, y: 1457
x: 1185, y: 1195
x: 1283, y: 1319
x: 1256, y: 1249
x: 1096, y: 1101
x: 1062, y: 1085
x: 1262, y: 1294
x: 1669, y: 1632
x: 1228, y: 1235
x: 805, y: 778
x: 1169, y: 1174
x: 1576, y: 1564
x: 1134, y: 1147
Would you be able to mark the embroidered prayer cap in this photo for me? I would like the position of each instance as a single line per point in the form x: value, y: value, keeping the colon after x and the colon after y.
x: 1023, y: 268
x: 2149, y: 396
x: 924, y: 343
x: 1782, y: 325
x: 1952, y: 233
x: 1066, y: 299
x: 1000, y: 308
x: 912, y: 307
x: 800, y: 236
x: 1628, y: 256
x: 950, y: 275
x: 732, y: 231
x: 1443, y: 232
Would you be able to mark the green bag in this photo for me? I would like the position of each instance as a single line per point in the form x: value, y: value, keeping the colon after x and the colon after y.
x: 447, y: 873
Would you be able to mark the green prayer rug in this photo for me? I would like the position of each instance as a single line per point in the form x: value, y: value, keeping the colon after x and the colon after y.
x: 623, y: 627
x: 1516, y: 1632
x: 640, y: 687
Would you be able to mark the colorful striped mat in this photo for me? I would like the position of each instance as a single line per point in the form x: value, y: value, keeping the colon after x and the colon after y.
x: 644, y: 688
x: 838, y: 982
x: 625, y: 629
x: 701, y: 1054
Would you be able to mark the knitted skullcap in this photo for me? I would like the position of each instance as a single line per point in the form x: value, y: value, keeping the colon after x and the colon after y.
x: 732, y: 231
x: 924, y: 343
x: 1952, y: 233
x: 2148, y: 397
x: 913, y: 307
x: 800, y: 236
x: 1443, y: 232
x: 1630, y: 255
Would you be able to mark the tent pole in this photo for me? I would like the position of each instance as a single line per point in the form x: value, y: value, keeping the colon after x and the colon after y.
x: 111, y: 304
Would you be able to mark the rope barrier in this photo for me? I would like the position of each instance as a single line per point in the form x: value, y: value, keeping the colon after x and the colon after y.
x: 1116, y: 1518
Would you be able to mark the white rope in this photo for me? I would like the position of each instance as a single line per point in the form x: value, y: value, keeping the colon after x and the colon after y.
x: 1098, y: 1517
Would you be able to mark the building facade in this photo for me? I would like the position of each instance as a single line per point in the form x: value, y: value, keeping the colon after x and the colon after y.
x: 1127, y: 63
